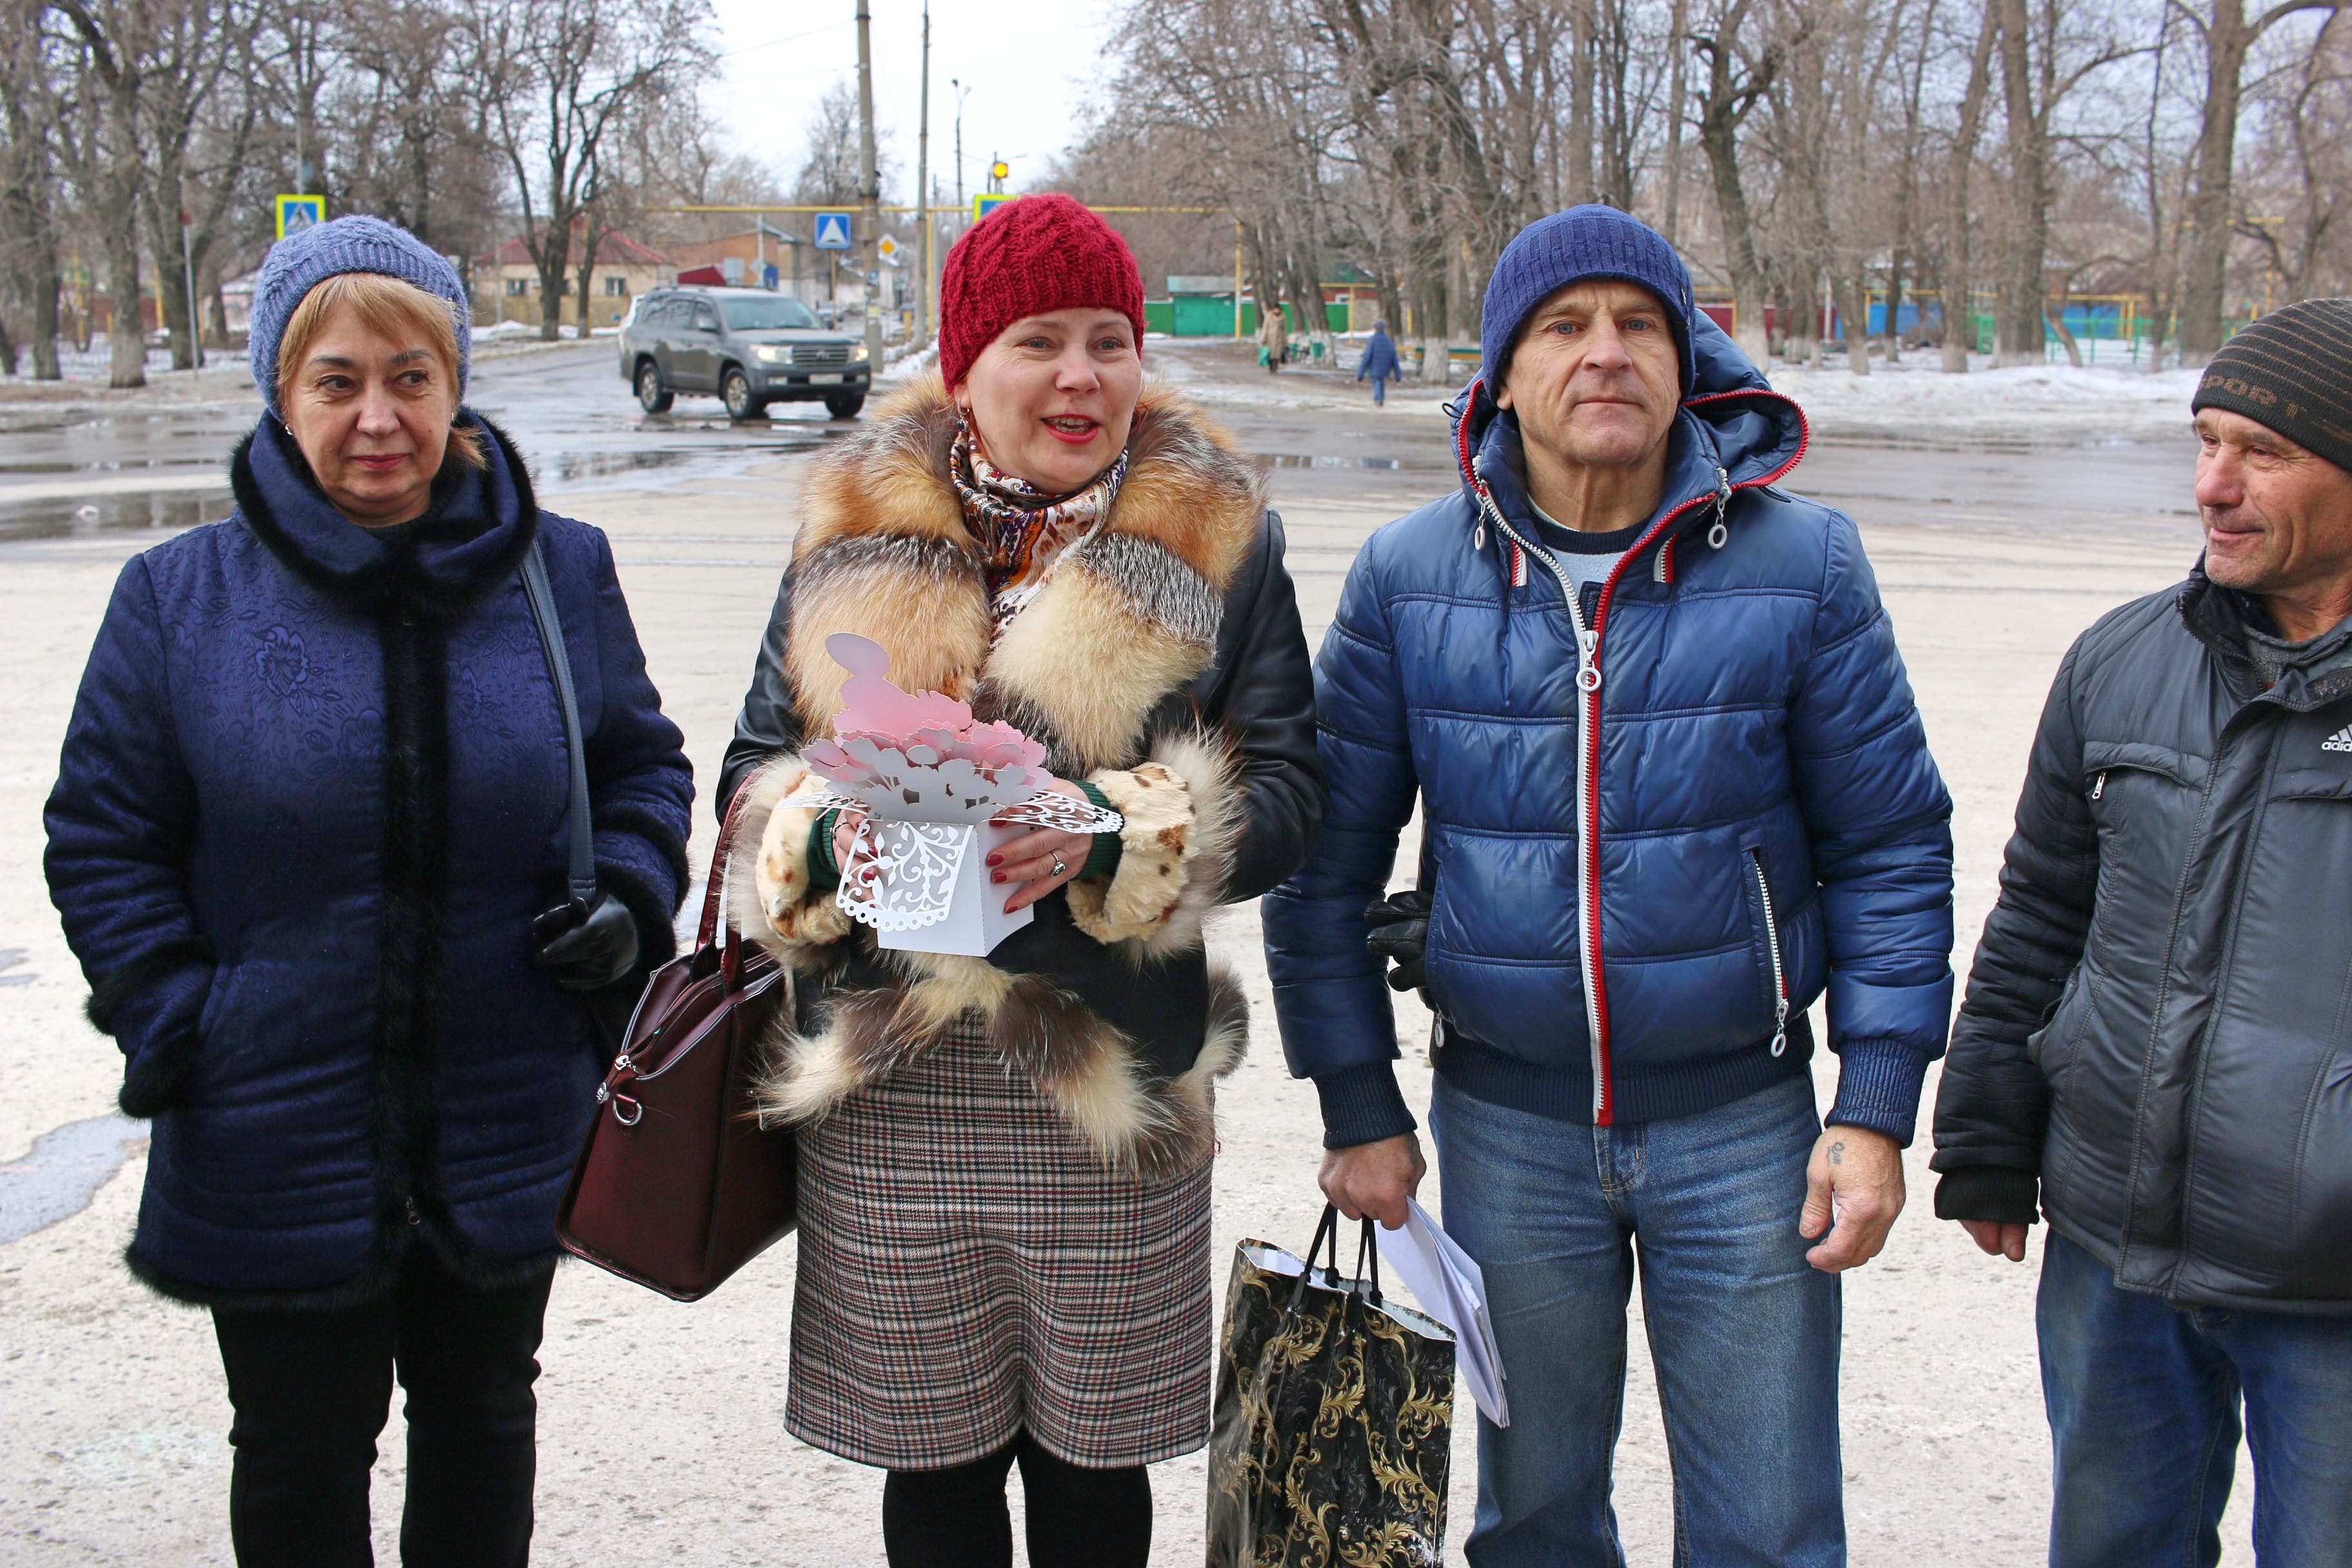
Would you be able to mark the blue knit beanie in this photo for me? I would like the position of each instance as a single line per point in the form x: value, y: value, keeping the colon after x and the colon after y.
x: 1570, y: 247
x: 302, y: 260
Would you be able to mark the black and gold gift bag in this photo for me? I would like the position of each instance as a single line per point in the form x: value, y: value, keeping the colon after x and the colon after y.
x: 1334, y: 1416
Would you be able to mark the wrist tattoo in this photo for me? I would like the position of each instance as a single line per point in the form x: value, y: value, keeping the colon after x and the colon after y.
x: 1837, y: 1152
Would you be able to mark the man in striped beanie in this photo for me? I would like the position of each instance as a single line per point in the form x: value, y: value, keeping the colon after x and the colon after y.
x: 2151, y: 1056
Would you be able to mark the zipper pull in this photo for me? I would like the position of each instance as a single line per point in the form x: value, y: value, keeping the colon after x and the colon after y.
x: 1478, y: 540
x: 1717, y: 536
x: 1781, y: 1027
x: 2099, y: 788
x: 1478, y: 483
x: 1588, y: 649
x: 413, y: 1218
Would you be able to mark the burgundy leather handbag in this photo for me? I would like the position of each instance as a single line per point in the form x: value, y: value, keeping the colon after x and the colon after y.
x: 679, y: 1185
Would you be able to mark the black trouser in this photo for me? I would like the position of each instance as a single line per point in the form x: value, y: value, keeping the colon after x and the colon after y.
x: 311, y: 1390
x: 1076, y: 1517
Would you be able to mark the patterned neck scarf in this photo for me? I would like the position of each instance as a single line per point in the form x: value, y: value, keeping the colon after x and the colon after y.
x: 1025, y: 531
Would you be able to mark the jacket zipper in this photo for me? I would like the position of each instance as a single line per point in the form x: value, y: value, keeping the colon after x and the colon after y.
x: 2100, y: 787
x: 1588, y: 686
x: 1772, y: 944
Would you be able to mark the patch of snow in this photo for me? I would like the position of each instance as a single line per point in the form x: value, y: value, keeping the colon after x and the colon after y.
x: 2038, y: 405
x: 498, y: 330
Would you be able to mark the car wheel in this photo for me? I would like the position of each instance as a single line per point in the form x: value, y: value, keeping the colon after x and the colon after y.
x: 843, y: 405
x: 735, y: 391
x: 652, y: 395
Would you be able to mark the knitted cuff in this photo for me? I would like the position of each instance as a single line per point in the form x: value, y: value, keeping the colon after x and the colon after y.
x: 1989, y: 1193
x: 1362, y: 1105
x: 825, y: 876
x: 1878, y: 1088
x: 1102, y: 860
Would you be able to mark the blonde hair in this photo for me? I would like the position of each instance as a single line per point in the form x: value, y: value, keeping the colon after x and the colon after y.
x: 393, y: 308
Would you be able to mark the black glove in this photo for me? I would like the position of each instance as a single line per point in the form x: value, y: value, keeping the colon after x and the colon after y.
x: 586, y: 949
x: 1400, y: 925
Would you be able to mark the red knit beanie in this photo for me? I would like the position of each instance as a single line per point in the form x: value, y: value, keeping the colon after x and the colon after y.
x: 1029, y: 257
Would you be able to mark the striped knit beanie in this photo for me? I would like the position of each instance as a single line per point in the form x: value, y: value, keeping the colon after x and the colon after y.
x: 2291, y: 370
x: 1569, y: 247
x: 356, y: 243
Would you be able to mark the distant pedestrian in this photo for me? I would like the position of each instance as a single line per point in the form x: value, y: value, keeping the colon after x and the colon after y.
x: 1673, y: 788
x: 1272, y: 335
x: 1379, y: 363
x: 309, y: 842
x: 2154, y: 1046
x: 1005, y: 1164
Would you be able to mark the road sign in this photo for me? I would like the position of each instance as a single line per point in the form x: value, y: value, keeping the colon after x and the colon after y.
x: 888, y: 249
x: 832, y: 231
x: 988, y: 202
x: 295, y: 214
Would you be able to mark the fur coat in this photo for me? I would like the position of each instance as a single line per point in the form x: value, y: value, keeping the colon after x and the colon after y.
x: 1163, y: 662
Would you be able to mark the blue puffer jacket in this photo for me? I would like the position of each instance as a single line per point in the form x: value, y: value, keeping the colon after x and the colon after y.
x: 1379, y: 359
x: 312, y: 794
x: 1744, y: 814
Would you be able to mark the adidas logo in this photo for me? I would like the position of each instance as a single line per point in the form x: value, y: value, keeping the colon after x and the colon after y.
x: 2339, y: 741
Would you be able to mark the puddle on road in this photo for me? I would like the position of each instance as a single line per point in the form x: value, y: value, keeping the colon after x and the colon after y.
x: 63, y: 1171
x: 161, y: 512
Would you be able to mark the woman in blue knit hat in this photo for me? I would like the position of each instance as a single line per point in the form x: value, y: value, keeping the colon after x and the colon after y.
x: 310, y: 842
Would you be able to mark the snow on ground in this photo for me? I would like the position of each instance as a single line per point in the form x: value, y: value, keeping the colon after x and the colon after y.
x: 1914, y: 403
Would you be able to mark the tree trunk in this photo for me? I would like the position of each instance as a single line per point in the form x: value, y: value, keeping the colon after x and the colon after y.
x: 2227, y: 38
x: 2018, y: 322
x: 1677, y: 86
x: 1959, y: 307
x: 1718, y: 135
x: 1853, y: 304
x: 47, y: 285
x: 554, y: 256
x: 1579, y: 101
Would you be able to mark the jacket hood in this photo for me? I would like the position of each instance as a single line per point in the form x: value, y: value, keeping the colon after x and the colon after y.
x: 475, y: 535
x: 1733, y: 432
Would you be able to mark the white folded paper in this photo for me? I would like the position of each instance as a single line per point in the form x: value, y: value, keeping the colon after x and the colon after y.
x: 1450, y: 1288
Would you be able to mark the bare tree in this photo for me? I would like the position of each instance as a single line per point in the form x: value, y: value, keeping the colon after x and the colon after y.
x: 1736, y: 80
x: 2228, y: 34
x: 557, y: 76
x: 1959, y: 303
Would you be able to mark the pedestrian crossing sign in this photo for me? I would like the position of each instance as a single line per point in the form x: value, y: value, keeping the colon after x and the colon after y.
x: 832, y: 231
x: 987, y: 203
x: 295, y: 214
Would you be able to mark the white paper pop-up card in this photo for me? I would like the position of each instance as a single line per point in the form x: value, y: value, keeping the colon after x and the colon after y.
x: 935, y: 795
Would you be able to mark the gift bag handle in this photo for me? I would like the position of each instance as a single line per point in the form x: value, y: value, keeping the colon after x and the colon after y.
x: 1367, y: 1258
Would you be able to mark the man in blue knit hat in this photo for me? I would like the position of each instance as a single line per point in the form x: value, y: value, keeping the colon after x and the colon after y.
x: 1674, y: 790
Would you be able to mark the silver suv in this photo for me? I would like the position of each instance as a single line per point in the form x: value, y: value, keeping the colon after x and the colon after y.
x: 751, y: 347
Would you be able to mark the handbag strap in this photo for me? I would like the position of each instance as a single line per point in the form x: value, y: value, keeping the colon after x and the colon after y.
x: 540, y: 597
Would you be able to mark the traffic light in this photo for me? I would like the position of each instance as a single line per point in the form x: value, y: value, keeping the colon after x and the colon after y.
x: 1000, y: 170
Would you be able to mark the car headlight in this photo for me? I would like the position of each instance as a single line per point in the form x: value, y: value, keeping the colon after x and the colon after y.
x: 768, y: 353
x: 858, y: 352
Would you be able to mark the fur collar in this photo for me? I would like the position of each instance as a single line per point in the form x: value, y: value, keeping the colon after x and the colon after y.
x: 1130, y: 617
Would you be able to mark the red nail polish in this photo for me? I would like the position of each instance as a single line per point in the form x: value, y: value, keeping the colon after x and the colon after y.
x: 997, y: 875
x: 996, y: 859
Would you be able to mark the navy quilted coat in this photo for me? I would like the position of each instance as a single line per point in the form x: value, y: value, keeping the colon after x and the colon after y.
x: 1647, y: 861
x: 312, y: 794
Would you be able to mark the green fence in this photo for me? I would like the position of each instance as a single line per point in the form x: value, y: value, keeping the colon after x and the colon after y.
x: 1212, y: 316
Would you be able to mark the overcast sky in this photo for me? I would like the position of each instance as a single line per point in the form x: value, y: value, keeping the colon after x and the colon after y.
x: 1028, y: 67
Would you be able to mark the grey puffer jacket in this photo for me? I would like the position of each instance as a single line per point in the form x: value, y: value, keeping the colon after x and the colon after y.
x: 2159, y: 1024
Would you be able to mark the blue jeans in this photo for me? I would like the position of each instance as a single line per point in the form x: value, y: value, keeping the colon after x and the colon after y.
x: 2143, y: 1402
x: 1743, y: 1332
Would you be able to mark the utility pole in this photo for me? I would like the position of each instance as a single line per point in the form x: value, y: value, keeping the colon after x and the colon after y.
x: 923, y: 298
x: 870, y: 188
x: 956, y: 86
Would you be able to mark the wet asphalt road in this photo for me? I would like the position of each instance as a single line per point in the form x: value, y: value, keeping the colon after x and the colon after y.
x: 77, y: 474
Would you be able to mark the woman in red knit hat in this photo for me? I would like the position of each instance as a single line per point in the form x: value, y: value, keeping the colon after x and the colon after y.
x: 1004, y: 1163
